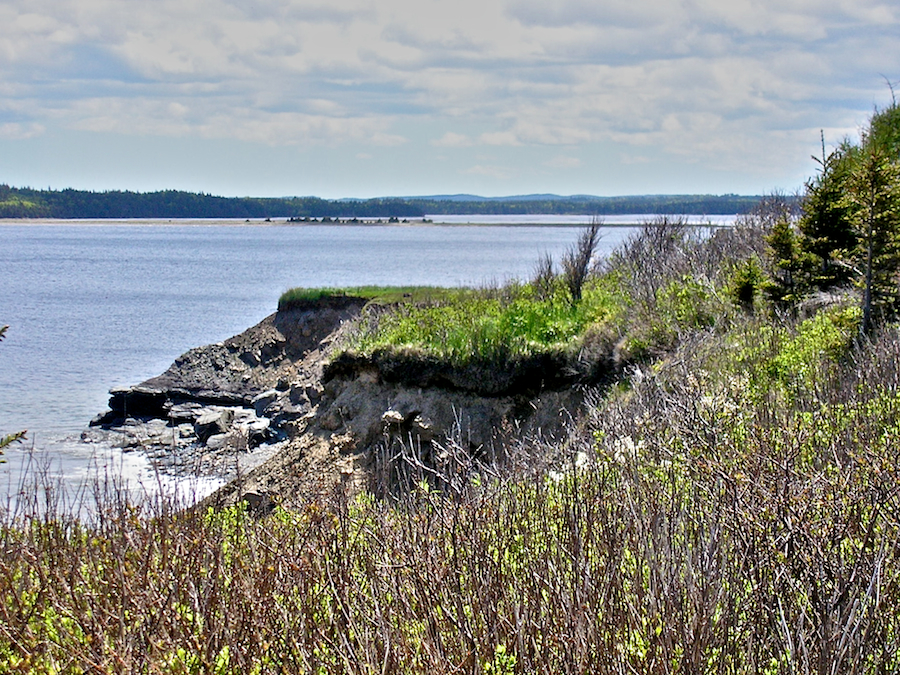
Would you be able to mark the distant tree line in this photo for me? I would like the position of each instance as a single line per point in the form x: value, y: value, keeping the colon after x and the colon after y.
x: 69, y: 203
x: 699, y: 205
x: 30, y: 203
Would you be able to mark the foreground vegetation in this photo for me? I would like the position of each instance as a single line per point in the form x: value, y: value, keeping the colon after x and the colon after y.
x: 734, y: 509
x: 730, y: 504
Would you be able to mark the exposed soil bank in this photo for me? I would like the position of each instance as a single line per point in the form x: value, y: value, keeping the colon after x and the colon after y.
x: 283, y: 391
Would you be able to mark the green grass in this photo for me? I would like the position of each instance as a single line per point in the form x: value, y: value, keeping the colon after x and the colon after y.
x: 486, y: 325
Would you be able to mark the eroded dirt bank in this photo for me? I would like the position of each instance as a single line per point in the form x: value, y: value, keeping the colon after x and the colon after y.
x: 273, y: 408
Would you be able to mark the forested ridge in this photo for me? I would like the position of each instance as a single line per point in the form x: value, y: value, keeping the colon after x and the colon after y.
x: 69, y: 203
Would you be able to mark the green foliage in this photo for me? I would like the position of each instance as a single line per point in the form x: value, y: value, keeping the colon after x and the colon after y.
x: 503, y: 662
x: 884, y: 131
x: 825, y: 228
x: 873, y: 200
x: 850, y: 227
x: 680, y: 308
x: 469, y: 325
x: 781, y: 359
x: 746, y: 282
x: 787, y: 284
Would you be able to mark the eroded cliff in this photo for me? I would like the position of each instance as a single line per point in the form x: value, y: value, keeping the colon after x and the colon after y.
x: 286, y: 414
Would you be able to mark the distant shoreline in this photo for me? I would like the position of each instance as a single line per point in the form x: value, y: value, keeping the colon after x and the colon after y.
x: 486, y: 220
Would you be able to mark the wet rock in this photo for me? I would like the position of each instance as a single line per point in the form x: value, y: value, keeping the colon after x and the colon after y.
x: 93, y: 435
x: 104, y: 419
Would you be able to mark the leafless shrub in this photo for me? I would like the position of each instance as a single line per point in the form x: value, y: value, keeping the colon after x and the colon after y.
x: 704, y: 531
x: 576, y: 262
x: 656, y: 253
x: 544, y: 276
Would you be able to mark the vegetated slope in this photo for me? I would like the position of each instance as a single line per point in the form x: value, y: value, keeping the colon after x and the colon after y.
x: 729, y: 505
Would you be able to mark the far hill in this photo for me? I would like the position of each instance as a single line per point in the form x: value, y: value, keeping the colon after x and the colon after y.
x: 69, y: 203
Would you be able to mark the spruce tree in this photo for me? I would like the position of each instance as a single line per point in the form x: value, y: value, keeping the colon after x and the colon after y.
x: 825, y: 226
x: 873, y: 200
x: 785, y: 285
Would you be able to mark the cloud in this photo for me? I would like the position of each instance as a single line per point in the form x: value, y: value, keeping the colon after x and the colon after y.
x: 19, y: 131
x: 740, y: 86
x: 500, y: 138
x: 452, y: 140
x: 563, y: 162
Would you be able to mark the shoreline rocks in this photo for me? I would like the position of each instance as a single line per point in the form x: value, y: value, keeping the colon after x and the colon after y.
x: 220, y: 403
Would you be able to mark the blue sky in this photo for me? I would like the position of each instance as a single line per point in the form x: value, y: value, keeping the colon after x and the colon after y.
x: 367, y: 98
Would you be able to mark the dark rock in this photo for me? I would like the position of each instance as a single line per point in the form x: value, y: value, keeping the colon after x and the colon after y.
x: 185, y: 412
x: 139, y: 401
x: 258, y: 504
x: 212, y: 423
x: 264, y: 400
x: 104, y: 419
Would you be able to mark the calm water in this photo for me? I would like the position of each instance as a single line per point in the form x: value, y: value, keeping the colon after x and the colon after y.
x: 96, y: 305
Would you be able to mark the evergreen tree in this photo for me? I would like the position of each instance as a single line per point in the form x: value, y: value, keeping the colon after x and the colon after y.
x: 849, y: 230
x: 873, y: 200
x: 825, y: 226
x: 786, y: 283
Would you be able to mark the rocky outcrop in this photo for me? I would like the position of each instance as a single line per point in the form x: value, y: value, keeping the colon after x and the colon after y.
x: 217, y: 404
x: 275, y: 405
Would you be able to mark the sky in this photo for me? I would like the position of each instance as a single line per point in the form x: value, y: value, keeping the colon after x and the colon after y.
x: 367, y: 98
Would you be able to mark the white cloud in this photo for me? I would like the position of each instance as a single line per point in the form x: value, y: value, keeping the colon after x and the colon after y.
x: 563, y: 162
x: 738, y: 85
x: 452, y: 140
x: 500, y: 138
x: 17, y: 131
